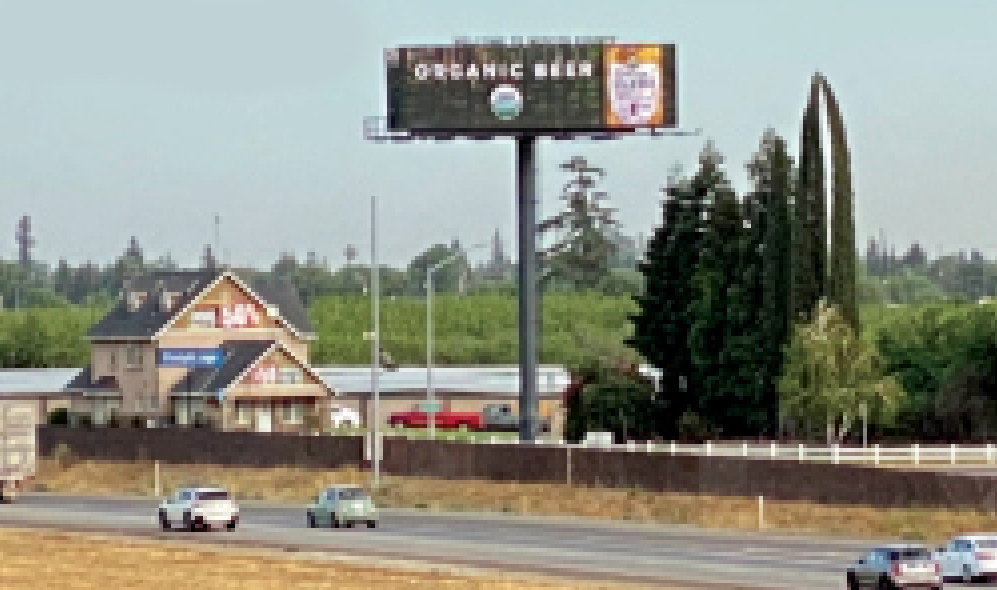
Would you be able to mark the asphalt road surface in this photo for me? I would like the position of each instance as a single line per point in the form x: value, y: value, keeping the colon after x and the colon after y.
x: 649, y: 555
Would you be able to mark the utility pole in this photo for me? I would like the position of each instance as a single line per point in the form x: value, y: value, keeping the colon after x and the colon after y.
x: 430, y: 291
x: 375, y: 353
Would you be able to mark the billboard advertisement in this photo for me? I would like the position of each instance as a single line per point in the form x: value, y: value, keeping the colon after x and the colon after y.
x: 531, y: 87
x: 190, y: 357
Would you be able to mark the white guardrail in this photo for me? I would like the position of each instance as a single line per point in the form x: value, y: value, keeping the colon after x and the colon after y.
x: 873, y: 454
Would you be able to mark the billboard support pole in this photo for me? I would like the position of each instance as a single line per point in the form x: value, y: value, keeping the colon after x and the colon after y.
x: 526, y: 212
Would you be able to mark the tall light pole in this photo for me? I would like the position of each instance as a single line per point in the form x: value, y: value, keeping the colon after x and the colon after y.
x: 375, y: 349
x: 430, y: 393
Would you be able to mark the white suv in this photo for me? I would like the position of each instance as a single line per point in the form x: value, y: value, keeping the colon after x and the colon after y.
x: 969, y: 557
x: 192, y: 508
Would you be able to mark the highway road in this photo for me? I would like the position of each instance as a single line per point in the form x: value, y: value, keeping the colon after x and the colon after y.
x: 641, y: 554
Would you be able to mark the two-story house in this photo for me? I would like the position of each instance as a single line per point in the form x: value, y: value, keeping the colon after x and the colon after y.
x: 203, y: 346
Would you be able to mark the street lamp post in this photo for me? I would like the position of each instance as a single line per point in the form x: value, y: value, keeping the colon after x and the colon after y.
x: 430, y: 392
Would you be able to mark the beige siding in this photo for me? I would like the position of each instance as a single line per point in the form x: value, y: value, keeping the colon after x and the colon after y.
x: 275, y: 406
x: 137, y: 381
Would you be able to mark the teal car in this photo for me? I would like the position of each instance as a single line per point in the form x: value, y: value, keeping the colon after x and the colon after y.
x: 342, y: 506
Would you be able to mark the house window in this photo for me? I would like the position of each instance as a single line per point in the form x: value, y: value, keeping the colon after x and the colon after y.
x: 243, y: 413
x: 294, y: 413
x: 290, y: 375
x: 203, y: 319
x: 133, y: 356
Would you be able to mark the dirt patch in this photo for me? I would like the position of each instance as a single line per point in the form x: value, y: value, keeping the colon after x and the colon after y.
x: 297, y: 486
x: 82, y: 562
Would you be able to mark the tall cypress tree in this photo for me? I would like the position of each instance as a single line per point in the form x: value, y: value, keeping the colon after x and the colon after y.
x: 713, y: 312
x: 809, y: 263
x: 771, y: 170
x: 661, y: 325
x: 841, y: 277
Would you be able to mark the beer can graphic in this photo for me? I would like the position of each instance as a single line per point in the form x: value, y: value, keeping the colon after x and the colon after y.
x: 634, y: 85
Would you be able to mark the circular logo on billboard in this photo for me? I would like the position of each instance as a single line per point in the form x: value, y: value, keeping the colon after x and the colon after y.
x: 635, y: 91
x: 506, y: 101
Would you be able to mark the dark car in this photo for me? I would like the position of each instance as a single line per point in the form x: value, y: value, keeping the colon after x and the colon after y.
x: 895, y: 566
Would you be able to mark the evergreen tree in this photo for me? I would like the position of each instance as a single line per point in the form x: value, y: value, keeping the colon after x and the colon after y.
x: 841, y: 281
x: 768, y: 211
x: 208, y: 260
x: 662, y: 323
x: 873, y: 262
x: 714, y: 333
x: 581, y: 256
x: 809, y: 212
x: 62, y: 281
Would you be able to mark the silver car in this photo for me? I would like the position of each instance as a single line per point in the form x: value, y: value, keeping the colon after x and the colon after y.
x: 895, y: 566
x: 342, y: 505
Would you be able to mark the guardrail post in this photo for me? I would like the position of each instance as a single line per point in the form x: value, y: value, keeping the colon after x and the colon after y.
x: 772, y: 449
x: 672, y: 447
x: 990, y: 453
x: 917, y: 454
x: 744, y: 449
x: 952, y: 454
x: 799, y: 451
x: 709, y: 448
x: 875, y: 454
x: 649, y: 446
x: 837, y: 458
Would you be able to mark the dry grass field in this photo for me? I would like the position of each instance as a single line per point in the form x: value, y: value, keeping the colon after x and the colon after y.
x: 291, y: 485
x: 33, y: 560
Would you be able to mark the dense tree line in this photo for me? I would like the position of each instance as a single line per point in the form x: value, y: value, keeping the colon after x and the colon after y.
x: 728, y: 278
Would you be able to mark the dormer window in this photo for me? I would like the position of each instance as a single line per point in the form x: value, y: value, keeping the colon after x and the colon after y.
x: 136, y: 299
x: 168, y: 300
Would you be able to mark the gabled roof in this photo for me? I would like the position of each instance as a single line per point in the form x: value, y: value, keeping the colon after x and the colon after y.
x: 149, y: 320
x: 239, y: 357
x: 83, y: 382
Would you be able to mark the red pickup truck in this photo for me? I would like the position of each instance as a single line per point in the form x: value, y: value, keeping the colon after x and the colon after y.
x: 493, y: 418
x: 445, y: 420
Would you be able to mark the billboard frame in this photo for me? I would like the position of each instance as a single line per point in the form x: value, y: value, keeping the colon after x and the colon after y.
x: 376, y: 130
x: 607, y: 43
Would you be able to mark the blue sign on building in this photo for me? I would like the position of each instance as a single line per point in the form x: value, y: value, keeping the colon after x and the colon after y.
x: 190, y: 357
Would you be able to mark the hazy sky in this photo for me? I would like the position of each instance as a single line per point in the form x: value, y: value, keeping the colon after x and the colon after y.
x: 122, y: 117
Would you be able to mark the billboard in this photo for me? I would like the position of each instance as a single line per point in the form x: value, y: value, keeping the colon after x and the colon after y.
x: 190, y: 357
x: 526, y: 88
